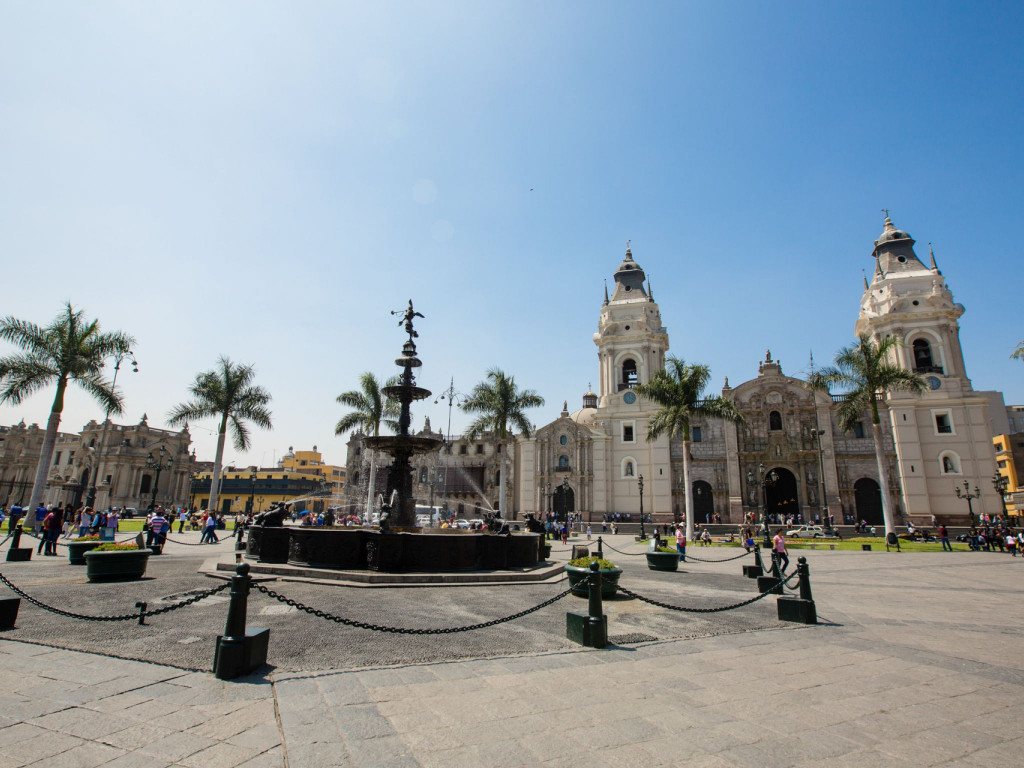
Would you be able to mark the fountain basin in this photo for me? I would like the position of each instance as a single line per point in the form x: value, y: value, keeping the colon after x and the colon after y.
x: 408, y: 444
x: 367, y: 548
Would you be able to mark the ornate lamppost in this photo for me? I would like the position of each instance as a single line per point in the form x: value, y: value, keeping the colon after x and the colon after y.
x: 826, y: 518
x: 252, y: 492
x: 640, y: 485
x: 765, y: 482
x: 159, y: 463
x: 1001, y: 483
x: 454, y: 398
x: 120, y: 357
x: 966, y: 493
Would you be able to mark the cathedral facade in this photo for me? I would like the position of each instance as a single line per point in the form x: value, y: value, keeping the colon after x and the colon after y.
x: 591, y: 460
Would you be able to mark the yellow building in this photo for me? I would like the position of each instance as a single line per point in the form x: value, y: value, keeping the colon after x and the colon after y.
x: 1010, y: 464
x: 300, y: 478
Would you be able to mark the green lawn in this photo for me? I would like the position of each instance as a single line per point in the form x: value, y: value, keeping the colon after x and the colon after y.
x: 846, y: 544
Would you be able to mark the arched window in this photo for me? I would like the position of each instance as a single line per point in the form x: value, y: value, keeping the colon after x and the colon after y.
x: 629, y: 374
x: 563, y: 462
x: 949, y: 463
x: 423, y: 474
x: 355, y: 478
x: 147, y: 484
x: 922, y: 356
x: 775, y: 421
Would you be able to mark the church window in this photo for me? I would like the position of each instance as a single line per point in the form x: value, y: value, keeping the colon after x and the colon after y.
x: 563, y: 440
x: 922, y: 356
x: 696, y: 434
x: 56, y: 458
x: 423, y: 474
x: 71, y: 457
x: 943, y: 423
x: 146, y: 485
x: 479, y: 447
x: 629, y: 374
x: 901, y: 259
x: 775, y: 421
x: 858, y: 429
x: 627, y: 432
x: 563, y: 462
x: 463, y: 450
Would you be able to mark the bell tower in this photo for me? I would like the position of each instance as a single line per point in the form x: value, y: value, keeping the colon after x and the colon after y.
x: 631, y: 345
x: 941, y: 436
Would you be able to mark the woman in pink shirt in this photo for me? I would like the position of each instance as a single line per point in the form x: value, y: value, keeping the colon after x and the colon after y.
x: 681, y: 543
x: 779, y: 546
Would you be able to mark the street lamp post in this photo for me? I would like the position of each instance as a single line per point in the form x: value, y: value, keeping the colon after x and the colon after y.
x: 765, y: 481
x: 640, y: 485
x: 969, y: 496
x: 252, y: 492
x: 1001, y: 483
x: 821, y: 476
x: 454, y: 398
x: 159, y: 463
x: 90, y: 497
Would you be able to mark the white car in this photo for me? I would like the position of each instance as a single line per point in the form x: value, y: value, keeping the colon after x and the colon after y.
x: 464, y: 524
x: 808, y: 532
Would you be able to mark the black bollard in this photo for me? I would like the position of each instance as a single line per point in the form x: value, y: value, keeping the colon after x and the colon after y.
x: 771, y: 583
x: 591, y: 628
x: 18, y: 553
x: 240, y: 650
x: 757, y: 569
x: 142, y: 613
x: 600, y: 548
x: 799, y: 609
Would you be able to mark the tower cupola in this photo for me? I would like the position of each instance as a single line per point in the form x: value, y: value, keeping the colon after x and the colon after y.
x: 894, y: 250
x: 629, y: 279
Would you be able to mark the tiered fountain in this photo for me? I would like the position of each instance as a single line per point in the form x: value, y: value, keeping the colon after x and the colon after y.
x: 398, y: 544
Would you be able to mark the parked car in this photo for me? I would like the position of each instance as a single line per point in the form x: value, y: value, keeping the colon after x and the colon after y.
x: 809, y: 532
x: 129, y: 512
x: 464, y: 524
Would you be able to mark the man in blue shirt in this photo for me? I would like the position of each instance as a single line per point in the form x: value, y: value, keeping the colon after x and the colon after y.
x: 41, y: 512
x: 16, y: 514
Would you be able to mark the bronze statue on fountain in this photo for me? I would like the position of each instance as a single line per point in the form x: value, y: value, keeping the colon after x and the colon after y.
x: 399, y: 544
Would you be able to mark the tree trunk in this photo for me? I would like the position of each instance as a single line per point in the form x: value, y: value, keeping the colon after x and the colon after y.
x: 371, y: 486
x: 218, y: 459
x: 883, y: 477
x: 46, y: 453
x: 688, y: 490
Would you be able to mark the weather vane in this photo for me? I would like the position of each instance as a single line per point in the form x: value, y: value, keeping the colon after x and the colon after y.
x: 886, y: 212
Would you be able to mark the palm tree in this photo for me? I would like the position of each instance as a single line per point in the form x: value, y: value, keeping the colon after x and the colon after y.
x: 70, y: 349
x: 500, y: 405
x: 1018, y: 353
x: 865, y: 370
x: 370, y: 408
x: 228, y: 394
x: 679, y: 391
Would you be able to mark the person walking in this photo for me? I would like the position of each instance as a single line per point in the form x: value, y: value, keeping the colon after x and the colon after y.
x: 944, y: 538
x: 112, y: 522
x: 182, y: 517
x: 157, y: 531
x: 779, y: 547
x: 210, y: 531
x: 681, y: 543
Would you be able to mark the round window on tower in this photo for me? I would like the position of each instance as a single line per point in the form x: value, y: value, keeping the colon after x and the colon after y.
x: 901, y: 259
x: 627, y: 327
x: 563, y: 440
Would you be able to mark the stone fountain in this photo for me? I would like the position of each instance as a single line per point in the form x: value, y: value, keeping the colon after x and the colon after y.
x: 398, y: 544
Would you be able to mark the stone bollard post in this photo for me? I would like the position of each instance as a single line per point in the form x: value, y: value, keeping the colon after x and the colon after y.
x: 799, y: 609
x: 771, y: 583
x: 591, y: 628
x: 240, y: 650
x: 757, y: 569
x: 16, y: 552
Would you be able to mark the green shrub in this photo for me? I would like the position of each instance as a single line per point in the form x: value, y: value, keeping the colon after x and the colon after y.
x: 584, y: 562
x: 90, y: 537
x: 668, y: 550
x: 111, y: 547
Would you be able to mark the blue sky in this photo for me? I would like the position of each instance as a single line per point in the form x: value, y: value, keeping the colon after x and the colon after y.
x: 268, y: 180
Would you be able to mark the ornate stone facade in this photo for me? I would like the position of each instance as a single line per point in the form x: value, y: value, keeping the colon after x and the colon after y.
x: 120, y: 453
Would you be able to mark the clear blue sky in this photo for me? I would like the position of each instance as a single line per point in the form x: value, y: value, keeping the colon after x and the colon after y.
x: 268, y: 180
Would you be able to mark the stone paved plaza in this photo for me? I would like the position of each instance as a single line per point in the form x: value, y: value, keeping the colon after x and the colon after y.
x: 918, y: 663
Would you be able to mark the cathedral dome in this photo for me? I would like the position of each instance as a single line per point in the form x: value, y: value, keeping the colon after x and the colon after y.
x: 584, y: 416
x: 891, y: 234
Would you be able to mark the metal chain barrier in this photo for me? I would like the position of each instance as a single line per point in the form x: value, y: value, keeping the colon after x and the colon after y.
x: 684, y: 609
x: 631, y: 554
x: 117, y: 617
x: 723, y: 560
x: 404, y: 630
x: 199, y: 543
x: 40, y: 538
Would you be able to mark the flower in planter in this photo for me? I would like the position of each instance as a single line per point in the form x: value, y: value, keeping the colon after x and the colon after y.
x: 125, y: 547
x: 90, y: 537
x: 584, y: 562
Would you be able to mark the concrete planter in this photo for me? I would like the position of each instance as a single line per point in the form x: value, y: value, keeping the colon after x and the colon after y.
x: 123, y: 565
x: 663, y: 561
x: 77, y: 550
x: 578, y: 576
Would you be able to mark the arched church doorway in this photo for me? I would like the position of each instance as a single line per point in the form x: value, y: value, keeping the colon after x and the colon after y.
x: 781, y: 497
x: 867, y: 496
x: 563, y: 501
x: 703, y: 502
